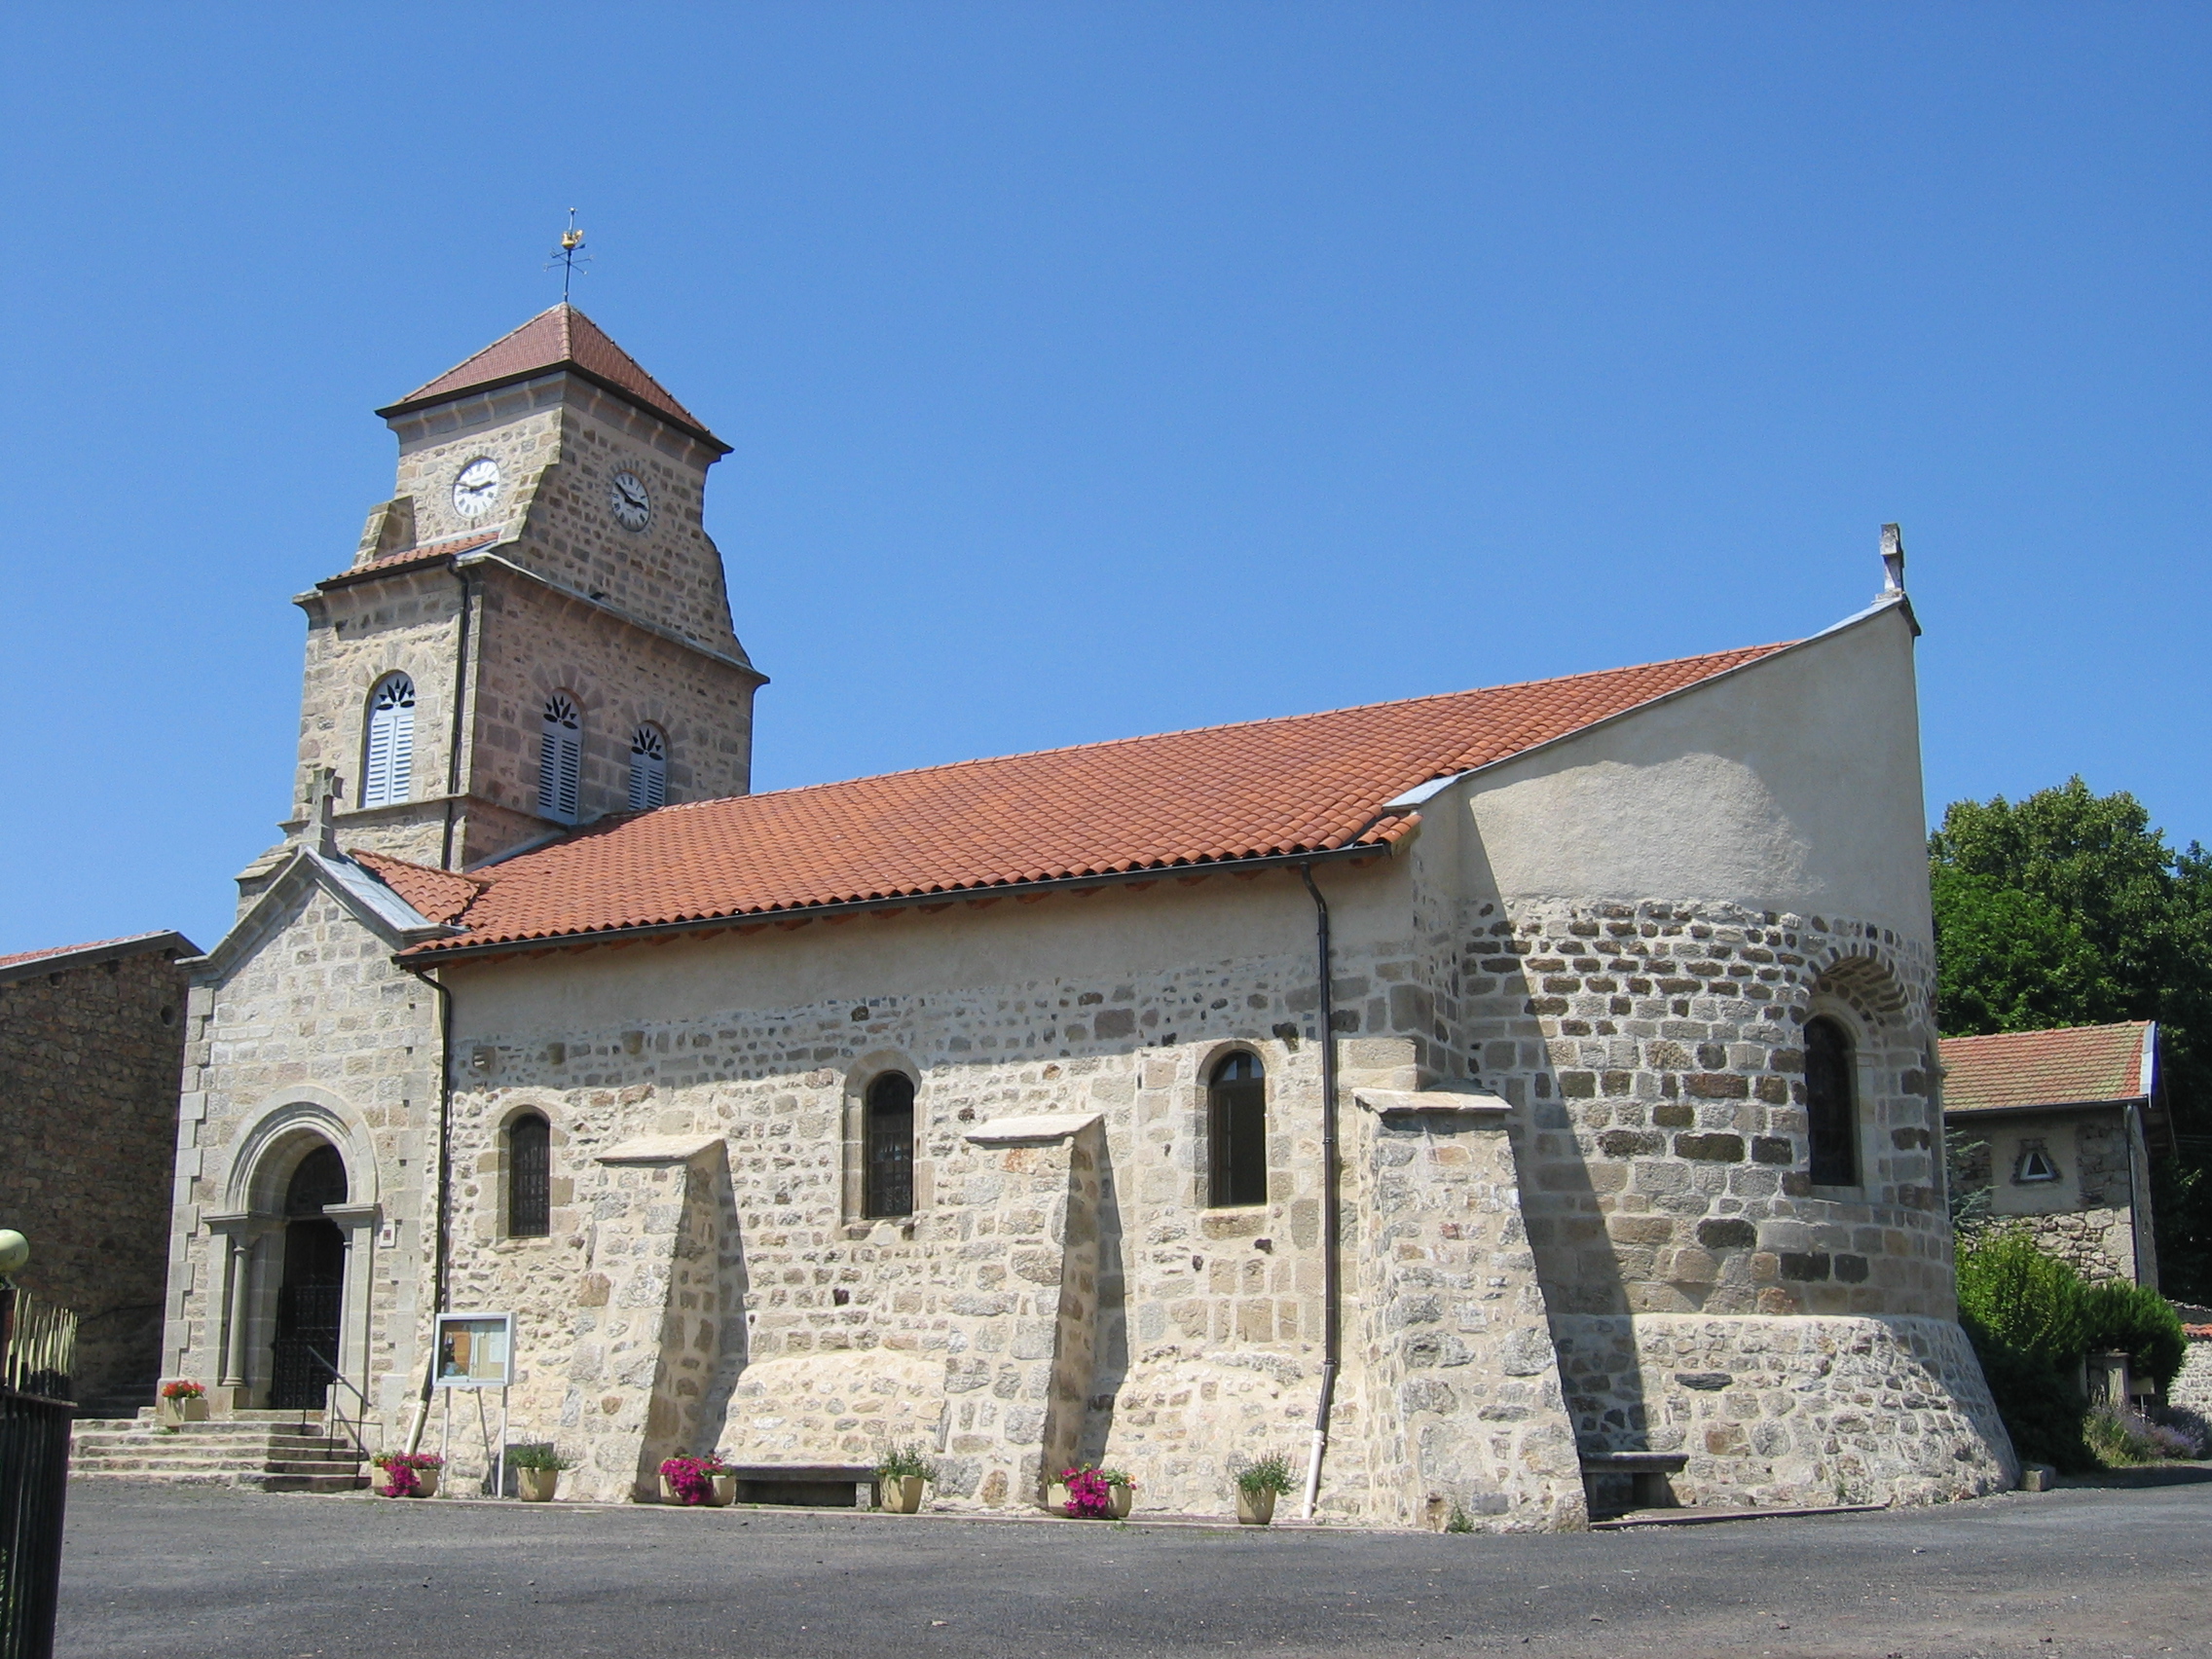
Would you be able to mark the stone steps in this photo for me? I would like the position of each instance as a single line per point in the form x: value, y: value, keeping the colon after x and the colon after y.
x: 270, y: 1451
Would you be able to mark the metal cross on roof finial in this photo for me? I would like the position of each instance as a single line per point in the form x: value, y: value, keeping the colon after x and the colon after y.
x: 566, y: 255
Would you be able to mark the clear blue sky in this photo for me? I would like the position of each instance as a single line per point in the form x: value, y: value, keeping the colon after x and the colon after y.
x: 1097, y: 370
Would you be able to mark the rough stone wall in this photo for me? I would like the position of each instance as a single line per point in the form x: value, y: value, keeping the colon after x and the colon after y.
x: 89, y: 1055
x: 2192, y: 1389
x: 1793, y: 1409
x: 1193, y: 1306
x: 1657, y: 1050
x: 318, y: 1015
x: 1451, y: 1314
x: 534, y: 642
x: 559, y: 441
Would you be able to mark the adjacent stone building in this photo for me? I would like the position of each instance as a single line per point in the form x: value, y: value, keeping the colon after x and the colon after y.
x: 1443, y: 1094
x: 89, y: 1040
x: 2057, y: 1128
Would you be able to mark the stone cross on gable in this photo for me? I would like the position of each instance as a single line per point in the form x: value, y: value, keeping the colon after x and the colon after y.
x: 323, y: 797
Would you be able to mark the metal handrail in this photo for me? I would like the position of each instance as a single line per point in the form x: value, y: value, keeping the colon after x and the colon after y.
x: 329, y: 1416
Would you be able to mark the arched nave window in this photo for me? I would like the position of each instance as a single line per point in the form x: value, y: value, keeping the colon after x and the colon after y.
x: 530, y: 1177
x: 888, y: 1145
x: 648, y: 769
x: 388, y: 763
x: 1831, y: 1115
x: 1236, y: 1131
x: 560, y: 757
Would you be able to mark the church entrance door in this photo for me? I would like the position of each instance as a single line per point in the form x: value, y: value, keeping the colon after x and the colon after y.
x: 312, y: 1289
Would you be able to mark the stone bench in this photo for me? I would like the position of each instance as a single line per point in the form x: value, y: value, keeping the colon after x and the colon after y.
x: 808, y: 1486
x: 1646, y: 1473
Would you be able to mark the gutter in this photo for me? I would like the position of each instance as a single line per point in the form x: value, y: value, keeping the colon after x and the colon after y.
x: 1354, y: 851
x: 1332, y: 1331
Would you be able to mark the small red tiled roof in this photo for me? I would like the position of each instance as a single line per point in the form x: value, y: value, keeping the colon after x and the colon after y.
x: 429, y: 553
x: 440, y: 895
x: 2068, y: 1066
x: 1267, y: 789
x: 559, y: 337
x: 149, y: 939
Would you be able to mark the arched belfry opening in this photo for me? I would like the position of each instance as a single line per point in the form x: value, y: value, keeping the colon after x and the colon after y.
x: 310, y: 1292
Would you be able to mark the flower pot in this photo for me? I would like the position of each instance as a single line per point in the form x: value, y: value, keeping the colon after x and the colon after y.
x: 902, y: 1496
x: 174, y: 1414
x: 537, y: 1485
x: 425, y: 1483
x: 722, y: 1491
x: 668, y: 1492
x: 1121, y: 1497
x: 1255, y: 1508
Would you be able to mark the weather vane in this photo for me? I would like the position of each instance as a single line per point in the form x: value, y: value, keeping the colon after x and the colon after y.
x: 565, y: 256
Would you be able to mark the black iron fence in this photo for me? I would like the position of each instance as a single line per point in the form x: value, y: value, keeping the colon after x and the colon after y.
x: 37, y: 1348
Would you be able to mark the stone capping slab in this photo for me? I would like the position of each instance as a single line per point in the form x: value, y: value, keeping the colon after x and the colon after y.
x: 1034, y: 1129
x: 1464, y: 1102
x: 660, y: 1149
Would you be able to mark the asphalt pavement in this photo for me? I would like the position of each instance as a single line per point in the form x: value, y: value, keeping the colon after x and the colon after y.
x: 2118, y: 1571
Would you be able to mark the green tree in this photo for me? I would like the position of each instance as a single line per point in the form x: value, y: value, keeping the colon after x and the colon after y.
x: 2069, y: 909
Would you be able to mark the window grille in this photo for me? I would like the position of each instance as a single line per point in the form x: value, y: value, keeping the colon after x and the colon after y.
x: 648, y: 769
x: 388, y: 769
x: 889, y: 1145
x: 560, y: 759
x: 530, y: 1177
x: 1831, y: 1114
x: 1236, y: 1132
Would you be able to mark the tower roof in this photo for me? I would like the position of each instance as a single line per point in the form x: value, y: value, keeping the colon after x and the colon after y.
x: 560, y: 337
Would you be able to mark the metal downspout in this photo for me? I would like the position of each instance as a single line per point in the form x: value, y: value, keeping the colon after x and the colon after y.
x: 1332, y: 1331
x: 460, y: 703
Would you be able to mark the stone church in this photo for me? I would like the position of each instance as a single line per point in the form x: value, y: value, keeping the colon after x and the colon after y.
x: 1461, y: 1097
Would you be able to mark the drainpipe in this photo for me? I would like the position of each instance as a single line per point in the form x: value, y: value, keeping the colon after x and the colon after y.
x: 438, y: 1218
x: 460, y: 702
x: 1332, y: 1330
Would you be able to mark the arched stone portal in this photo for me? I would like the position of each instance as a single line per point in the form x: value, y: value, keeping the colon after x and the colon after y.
x: 297, y: 1269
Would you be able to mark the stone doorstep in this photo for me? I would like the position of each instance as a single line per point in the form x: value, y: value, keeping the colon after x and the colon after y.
x: 1707, y: 1517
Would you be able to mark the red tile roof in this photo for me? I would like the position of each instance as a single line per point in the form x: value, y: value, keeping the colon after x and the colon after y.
x: 429, y: 553
x: 440, y: 895
x: 1267, y: 789
x: 560, y: 337
x: 2064, y: 1067
x: 149, y: 939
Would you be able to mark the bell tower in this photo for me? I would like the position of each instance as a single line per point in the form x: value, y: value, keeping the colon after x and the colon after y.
x: 535, y: 631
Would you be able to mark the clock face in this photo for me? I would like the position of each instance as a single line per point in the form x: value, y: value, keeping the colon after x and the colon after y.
x: 626, y: 496
x: 474, y: 486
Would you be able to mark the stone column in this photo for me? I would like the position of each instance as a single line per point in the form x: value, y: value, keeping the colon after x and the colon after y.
x: 239, y: 1232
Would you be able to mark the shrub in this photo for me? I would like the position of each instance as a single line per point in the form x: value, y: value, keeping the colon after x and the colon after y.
x: 905, y: 1462
x: 538, y: 1457
x: 2021, y: 1296
x: 1271, y: 1473
x: 2135, y: 1320
x: 2121, y: 1438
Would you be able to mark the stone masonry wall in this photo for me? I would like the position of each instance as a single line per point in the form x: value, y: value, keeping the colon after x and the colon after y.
x: 89, y: 1055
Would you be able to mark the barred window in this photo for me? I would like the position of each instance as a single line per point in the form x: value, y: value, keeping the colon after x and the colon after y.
x: 530, y: 1177
x: 560, y: 757
x: 648, y: 769
x: 1236, y: 1132
x: 888, y: 1146
x: 388, y: 763
x: 1831, y: 1114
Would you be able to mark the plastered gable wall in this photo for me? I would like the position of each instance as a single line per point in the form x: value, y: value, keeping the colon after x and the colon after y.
x: 1206, y: 1323
x: 2087, y: 1216
x: 312, y: 1015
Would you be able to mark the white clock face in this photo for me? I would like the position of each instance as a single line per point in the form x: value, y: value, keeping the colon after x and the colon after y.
x: 626, y: 496
x: 474, y: 486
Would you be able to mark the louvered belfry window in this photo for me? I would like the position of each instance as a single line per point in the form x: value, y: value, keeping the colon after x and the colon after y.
x: 560, y: 759
x: 648, y: 769
x: 388, y: 768
x: 530, y: 1177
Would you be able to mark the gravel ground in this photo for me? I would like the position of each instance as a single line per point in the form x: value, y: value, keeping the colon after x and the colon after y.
x: 2089, y: 1571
